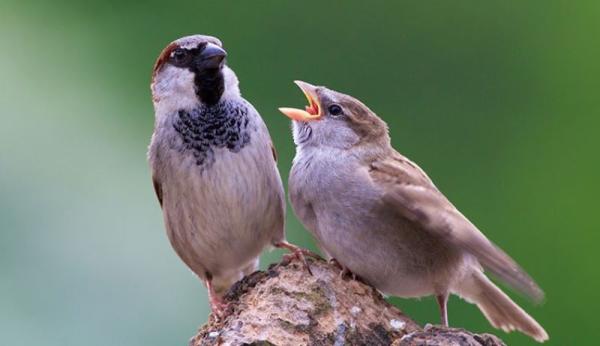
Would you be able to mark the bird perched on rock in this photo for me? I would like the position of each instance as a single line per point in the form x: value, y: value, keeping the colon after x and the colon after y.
x: 213, y: 166
x: 380, y: 216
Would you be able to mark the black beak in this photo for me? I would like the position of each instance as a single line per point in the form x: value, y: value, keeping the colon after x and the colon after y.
x: 212, y: 56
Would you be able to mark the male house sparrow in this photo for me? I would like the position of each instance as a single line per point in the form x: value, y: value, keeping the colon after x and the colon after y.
x: 213, y: 166
x: 381, y: 217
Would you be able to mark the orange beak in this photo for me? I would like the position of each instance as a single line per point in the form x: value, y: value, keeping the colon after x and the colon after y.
x: 310, y: 112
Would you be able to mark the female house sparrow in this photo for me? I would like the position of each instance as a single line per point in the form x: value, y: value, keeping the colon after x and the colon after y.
x: 381, y: 217
x: 213, y: 166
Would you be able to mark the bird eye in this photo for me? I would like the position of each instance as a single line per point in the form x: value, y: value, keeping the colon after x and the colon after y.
x: 335, y: 110
x: 179, y: 55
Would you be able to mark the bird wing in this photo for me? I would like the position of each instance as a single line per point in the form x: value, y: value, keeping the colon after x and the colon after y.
x: 157, y: 190
x: 410, y: 192
x: 273, y: 151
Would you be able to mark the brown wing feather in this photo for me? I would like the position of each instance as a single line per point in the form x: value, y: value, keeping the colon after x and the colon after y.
x: 411, y: 193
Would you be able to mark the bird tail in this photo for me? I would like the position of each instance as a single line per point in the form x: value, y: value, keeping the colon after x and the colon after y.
x: 498, y: 308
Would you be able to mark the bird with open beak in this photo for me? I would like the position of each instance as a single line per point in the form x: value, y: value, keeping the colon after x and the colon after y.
x: 380, y: 216
x: 213, y: 166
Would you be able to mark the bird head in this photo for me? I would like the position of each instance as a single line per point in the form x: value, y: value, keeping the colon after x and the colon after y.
x: 335, y: 119
x: 192, y: 70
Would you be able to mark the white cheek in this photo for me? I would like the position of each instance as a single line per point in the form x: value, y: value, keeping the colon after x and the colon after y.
x: 173, y: 89
x: 232, y: 88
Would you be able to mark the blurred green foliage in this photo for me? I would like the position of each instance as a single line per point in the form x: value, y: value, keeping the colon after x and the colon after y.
x: 497, y: 100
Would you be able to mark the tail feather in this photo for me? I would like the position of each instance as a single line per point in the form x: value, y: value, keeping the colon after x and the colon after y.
x: 498, y: 308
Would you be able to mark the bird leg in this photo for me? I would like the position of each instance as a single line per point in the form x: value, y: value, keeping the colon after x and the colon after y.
x: 442, y: 300
x: 296, y: 253
x: 217, y: 305
x: 344, y: 272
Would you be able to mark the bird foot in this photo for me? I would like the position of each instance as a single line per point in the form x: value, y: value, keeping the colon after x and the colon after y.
x: 297, y: 253
x: 219, y: 308
x: 344, y: 272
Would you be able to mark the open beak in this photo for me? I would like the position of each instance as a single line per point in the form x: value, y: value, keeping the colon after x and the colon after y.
x: 310, y: 112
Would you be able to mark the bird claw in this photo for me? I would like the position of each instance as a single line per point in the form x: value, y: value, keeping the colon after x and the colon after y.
x: 344, y: 272
x: 219, y: 308
x: 297, y: 253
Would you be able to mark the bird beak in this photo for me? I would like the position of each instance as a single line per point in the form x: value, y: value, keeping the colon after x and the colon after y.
x: 312, y: 111
x: 212, y: 56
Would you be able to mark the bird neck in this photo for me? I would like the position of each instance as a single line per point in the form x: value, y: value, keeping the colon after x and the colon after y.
x: 209, y: 86
x: 369, y: 151
x: 212, y: 86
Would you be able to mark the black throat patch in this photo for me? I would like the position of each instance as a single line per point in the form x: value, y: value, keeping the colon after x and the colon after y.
x: 207, y: 128
x: 210, y: 85
x: 209, y: 82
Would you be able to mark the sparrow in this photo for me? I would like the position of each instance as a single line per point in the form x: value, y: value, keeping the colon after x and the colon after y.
x: 381, y: 217
x: 213, y: 167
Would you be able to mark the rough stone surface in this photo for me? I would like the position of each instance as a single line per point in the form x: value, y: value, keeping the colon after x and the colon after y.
x: 287, y: 306
x: 438, y: 336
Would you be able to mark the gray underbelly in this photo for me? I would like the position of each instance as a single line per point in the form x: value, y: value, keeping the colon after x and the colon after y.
x: 219, y: 220
x: 394, y: 257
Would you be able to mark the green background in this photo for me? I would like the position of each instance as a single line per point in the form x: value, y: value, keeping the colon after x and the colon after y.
x: 497, y: 101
